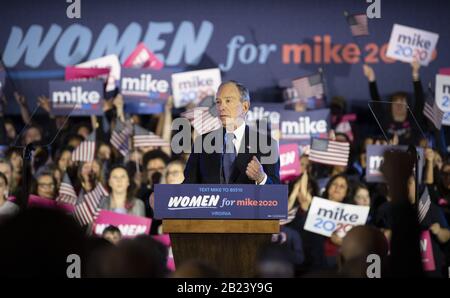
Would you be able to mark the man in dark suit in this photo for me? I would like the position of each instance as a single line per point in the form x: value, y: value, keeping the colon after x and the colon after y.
x: 234, y: 153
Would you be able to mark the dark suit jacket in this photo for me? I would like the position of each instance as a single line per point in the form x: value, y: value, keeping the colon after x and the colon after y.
x: 205, y: 168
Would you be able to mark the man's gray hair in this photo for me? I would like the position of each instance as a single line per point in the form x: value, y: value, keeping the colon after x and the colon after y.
x: 243, y: 91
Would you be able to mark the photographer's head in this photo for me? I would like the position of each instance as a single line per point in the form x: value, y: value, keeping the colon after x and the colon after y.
x: 154, y: 161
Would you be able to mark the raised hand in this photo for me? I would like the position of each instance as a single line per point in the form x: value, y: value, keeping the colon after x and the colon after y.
x: 369, y: 73
x: 415, y: 65
x: 44, y: 103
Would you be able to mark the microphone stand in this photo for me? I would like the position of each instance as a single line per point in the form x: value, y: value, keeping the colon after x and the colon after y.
x: 27, y: 154
x: 412, y: 149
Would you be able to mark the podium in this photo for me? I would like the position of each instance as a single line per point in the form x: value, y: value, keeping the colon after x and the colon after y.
x: 230, y: 246
x: 225, y: 226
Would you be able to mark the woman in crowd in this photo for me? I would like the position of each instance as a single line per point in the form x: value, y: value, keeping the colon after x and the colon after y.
x: 120, y: 199
x: 89, y: 174
x: 45, y: 185
x: 63, y: 158
x: 395, y: 118
x: 7, y: 208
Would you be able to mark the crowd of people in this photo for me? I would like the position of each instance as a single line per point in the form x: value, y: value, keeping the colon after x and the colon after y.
x: 130, y: 181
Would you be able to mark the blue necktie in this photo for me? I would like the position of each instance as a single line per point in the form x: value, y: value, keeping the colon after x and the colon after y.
x: 228, y: 156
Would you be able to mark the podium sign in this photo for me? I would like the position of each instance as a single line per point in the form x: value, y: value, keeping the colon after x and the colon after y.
x: 216, y: 201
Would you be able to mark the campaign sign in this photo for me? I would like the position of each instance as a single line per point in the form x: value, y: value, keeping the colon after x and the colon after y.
x: 375, y: 157
x: 36, y: 201
x: 446, y: 119
x: 76, y: 98
x: 194, y: 86
x: 2, y: 81
x: 111, y: 62
x: 83, y: 73
x: 408, y: 44
x: 164, y: 239
x: 291, y: 126
x: 443, y: 92
x: 143, y: 89
x: 301, y: 127
x: 289, y: 162
x: 129, y: 225
x: 234, y: 201
x: 325, y: 217
x: 142, y: 57
x: 426, y: 250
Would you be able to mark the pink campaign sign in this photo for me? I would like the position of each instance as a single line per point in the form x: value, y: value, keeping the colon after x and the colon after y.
x: 36, y: 201
x: 142, y: 57
x: 445, y: 71
x: 129, y: 225
x: 289, y: 162
x: 165, y: 239
x: 83, y: 73
x: 426, y: 250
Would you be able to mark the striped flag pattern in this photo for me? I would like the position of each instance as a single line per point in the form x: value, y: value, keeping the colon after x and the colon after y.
x: 121, y: 135
x: 424, y: 205
x: 86, y: 150
x: 88, y: 210
x: 309, y: 86
x: 329, y: 152
x: 359, y: 25
x: 145, y: 138
x: 432, y: 111
x: 67, y: 193
x: 202, y: 120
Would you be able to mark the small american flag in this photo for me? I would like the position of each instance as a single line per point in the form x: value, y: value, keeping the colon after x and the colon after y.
x: 88, y: 210
x: 424, y: 205
x: 432, y: 111
x: 121, y: 135
x: 329, y: 152
x: 204, y: 116
x: 202, y: 120
x: 145, y: 138
x: 67, y: 193
x: 86, y: 150
x: 309, y: 86
x: 358, y: 24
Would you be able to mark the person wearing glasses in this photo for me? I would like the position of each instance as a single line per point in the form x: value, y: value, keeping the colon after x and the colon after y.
x: 45, y: 186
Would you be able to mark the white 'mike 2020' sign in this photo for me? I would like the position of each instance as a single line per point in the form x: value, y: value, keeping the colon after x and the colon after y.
x: 408, y: 44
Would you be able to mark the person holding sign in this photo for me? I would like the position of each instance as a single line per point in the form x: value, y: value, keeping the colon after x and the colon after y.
x: 235, y: 158
x: 395, y: 118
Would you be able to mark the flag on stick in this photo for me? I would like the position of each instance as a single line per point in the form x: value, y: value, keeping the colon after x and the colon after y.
x: 329, y: 152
